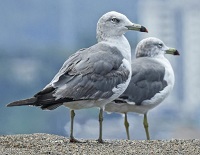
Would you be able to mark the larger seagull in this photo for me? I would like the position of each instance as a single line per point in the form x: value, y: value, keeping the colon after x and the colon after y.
x: 151, y: 82
x: 94, y: 76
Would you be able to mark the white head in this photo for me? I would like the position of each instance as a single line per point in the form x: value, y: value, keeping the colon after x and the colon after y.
x: 115, y: 24
x: 152, y: 47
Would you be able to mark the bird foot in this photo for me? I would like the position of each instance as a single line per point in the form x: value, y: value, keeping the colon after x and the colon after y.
x: 100, y: 140
x: 74, y: 140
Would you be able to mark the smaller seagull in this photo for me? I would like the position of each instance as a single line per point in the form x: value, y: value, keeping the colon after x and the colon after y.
x: 94, y: 76
x: 151, y: 82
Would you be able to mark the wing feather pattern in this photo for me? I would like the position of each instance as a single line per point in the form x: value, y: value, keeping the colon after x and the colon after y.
x: 89, y: 74
x: 147, y: 80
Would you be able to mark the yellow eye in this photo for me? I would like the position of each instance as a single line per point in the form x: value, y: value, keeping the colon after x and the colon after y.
x: 115, y: 20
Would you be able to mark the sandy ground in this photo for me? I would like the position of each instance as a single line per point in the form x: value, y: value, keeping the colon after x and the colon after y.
x: 42, y: 144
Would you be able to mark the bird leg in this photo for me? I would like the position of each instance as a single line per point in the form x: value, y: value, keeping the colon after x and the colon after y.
x: 72, y: 139
x: 100, y: 140
x: 145, y: 123
x: 126, y: 124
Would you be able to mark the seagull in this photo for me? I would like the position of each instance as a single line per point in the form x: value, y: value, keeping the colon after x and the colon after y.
x: 94, y: 76
x: 151, y: 82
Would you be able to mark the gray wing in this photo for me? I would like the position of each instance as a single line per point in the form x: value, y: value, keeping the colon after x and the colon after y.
x: 91, y: 73
x: 147, y: 80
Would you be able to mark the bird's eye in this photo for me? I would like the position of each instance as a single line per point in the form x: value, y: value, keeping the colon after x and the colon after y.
x: 115, y: 20
x: 160, y: 45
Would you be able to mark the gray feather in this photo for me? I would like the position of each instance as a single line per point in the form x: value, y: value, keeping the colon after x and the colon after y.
x: 147, y: 80
x: 91, y: 74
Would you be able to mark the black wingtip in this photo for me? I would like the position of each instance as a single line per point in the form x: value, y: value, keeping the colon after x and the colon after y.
x: 8, y: 105
x: 29, y: 101
x: 143, y: 29
x: 12, y: 104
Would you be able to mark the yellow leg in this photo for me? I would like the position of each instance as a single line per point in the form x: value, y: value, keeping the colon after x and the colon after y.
x: 100, y: 140
x: 72, y: 139
x: 126, y: 124
x: 145, y: 123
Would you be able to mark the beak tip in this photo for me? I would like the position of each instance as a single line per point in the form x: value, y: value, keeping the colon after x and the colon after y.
x: 143, y: 29
x: 176, y: 53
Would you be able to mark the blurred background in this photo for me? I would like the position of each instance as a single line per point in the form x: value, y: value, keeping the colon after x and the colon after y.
x: 36, y: 37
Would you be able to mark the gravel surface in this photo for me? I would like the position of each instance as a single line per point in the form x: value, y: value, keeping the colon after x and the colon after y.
x: 42, y: 144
